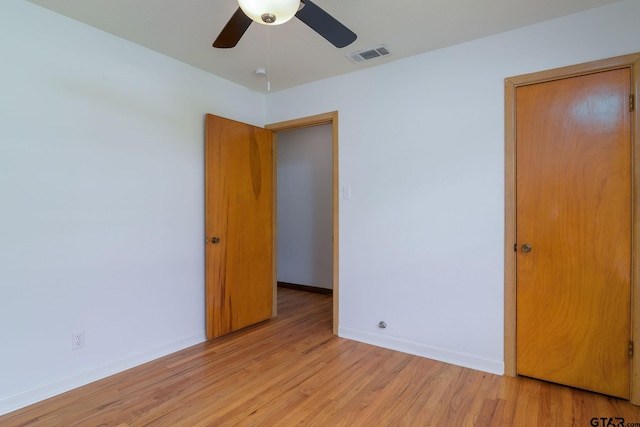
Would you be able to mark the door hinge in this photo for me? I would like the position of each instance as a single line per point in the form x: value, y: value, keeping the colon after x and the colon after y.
x: 632, y: 102
x: 515, y: 247
x: 630, y: 348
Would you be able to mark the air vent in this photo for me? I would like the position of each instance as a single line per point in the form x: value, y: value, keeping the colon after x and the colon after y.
x: 369, y: 54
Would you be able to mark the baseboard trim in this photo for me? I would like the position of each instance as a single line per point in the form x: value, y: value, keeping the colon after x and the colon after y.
x: 314, y: 289
x: 45, y: 391
x: 436, y: 353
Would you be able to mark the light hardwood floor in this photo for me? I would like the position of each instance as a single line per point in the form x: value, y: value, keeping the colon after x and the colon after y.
x: 292, y: 371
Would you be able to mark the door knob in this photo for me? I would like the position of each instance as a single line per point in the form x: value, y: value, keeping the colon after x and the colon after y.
x: 526, y: 248
x: 215, y: 240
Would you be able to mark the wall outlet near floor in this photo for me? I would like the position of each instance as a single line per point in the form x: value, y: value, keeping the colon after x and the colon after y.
x: 77, y: 340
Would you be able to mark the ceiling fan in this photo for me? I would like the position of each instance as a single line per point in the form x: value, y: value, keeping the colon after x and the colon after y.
x: 275, y: 12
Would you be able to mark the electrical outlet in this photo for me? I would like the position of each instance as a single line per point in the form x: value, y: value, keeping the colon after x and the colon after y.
x: 77, y: 340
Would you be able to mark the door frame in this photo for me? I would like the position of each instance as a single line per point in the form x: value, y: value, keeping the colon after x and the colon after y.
x: 631, y: 61
x: 305, y: 122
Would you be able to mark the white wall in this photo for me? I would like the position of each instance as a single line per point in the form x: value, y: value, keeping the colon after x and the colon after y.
x: 421, y: 144
x: 305, y: 206
x: 101, y: 200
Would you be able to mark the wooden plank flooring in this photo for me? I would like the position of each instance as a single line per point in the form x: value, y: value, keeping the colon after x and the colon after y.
x: 292, y: 371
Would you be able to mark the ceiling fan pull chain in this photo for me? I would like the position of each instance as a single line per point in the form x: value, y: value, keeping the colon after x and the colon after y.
x: 268, y: 65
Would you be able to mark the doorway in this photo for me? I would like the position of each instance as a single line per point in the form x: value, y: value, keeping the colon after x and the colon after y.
x: 307, y: 122
x: 512, y: 246
x: 304, y: 213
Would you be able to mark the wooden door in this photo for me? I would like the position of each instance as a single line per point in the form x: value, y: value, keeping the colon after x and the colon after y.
x: 573, y: 207
x: 238, y: 212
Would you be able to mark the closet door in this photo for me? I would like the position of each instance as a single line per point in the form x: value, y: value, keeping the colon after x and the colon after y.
x: 573, y: 207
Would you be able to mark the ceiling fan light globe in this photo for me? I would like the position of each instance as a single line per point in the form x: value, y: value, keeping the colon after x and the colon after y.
x: 282, y: 10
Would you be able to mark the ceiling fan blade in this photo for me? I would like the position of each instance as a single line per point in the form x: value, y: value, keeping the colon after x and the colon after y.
x: 233, y: 31
x: 325, y: 25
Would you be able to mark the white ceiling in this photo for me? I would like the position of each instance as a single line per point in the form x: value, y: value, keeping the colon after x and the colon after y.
x: 185, y: 30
